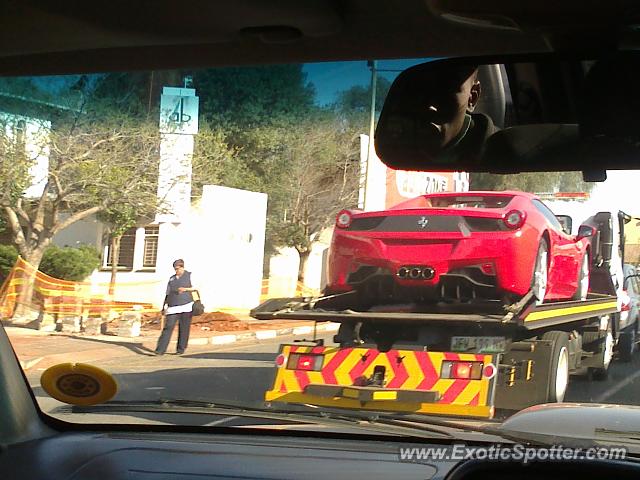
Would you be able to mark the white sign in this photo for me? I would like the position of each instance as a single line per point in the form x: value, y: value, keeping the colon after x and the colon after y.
x: 413, y: 184
x: 179, y: 111
x: 174, y: 176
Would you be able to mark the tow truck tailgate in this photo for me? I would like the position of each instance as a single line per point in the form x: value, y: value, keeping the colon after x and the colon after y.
x: 444, y: 383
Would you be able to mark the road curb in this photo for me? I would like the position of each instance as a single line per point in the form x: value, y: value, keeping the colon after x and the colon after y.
x: 261, y: 335
x: 258, y: 336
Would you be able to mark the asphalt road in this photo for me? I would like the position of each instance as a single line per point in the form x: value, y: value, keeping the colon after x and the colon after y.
x: 241, y: 373
x: 238, y: 374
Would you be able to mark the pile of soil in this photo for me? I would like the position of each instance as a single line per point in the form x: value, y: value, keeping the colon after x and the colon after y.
x: 211, y: 321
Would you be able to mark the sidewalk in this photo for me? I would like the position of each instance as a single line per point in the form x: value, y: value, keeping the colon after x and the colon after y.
x: 37, y: 349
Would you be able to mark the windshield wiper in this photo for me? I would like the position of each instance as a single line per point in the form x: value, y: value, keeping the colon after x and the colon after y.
x: 364, y: 421
x: 421, y: 422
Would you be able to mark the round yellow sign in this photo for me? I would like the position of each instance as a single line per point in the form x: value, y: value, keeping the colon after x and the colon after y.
x: 78, y: 384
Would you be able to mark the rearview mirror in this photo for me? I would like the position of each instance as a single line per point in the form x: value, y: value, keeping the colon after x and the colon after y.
x: 511, y: 114
x: 567, y: 223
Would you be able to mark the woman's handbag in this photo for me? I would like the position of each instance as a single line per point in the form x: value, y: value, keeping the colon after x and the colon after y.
x: 198, y: 307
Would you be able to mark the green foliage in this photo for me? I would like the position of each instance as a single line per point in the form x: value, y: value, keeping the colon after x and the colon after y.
x: 70, y: 263
x: 8, y: 257
x: 122, y: 92
x: 535, y: 182
x: 214, y: 160
x: 119, y: 218
x: 249, y: 96
x: 358, y: 98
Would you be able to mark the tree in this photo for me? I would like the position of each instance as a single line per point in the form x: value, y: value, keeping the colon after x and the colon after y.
x: 248, y: 96
x: 357, y: 99
x: 214, y: 161
x: 118, y: 219
x: 96, y: 160
x: 319, y: 176
x: 535, y: 182
x: 70, y: 263
x: 136, y: 94
x: 8, y: 258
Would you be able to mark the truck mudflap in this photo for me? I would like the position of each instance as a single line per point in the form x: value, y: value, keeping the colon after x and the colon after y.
x: 436, y: 383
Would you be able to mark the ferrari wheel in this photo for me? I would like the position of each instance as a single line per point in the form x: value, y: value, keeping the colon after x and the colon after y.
x: 541, y: 273
x: 583, y: 279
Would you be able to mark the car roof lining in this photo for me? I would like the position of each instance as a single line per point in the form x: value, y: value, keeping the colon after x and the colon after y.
x: 40, y: 37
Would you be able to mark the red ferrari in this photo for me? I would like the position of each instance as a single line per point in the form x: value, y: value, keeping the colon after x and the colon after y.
x: 460, y: 247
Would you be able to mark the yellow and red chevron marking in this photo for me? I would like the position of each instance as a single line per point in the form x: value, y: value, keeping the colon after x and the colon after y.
x: 404, y: 369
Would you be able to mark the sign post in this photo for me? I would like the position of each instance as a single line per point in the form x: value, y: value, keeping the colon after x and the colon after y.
x: 178, y: 126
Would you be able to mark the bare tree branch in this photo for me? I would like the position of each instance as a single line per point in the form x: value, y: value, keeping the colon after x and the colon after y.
x: 75, y: 218
x: 16, y: 229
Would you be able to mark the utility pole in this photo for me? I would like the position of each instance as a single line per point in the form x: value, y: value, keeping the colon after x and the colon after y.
x: 372, y: 120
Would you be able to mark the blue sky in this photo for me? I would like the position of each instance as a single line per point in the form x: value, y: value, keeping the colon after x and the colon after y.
x: 331, y: 78
x: 328, y: 78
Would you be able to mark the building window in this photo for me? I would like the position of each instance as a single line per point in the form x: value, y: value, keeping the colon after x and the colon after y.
x: 127, y: 248
x: 150, y: 246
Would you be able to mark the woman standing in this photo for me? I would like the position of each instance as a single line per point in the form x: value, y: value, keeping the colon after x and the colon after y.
x: 178, y: 308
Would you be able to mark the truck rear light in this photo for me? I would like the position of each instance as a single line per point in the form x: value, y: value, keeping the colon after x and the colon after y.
x: 514, y: 219
x: 306, y: 362
x: 343, y: 220
x: 460, y: 370
x: 280, y: 360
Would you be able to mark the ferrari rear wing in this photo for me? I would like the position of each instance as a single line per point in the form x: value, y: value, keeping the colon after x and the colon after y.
x: 522, y: 314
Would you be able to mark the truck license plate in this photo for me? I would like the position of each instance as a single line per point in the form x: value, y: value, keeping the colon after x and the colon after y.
x: 478, y: 344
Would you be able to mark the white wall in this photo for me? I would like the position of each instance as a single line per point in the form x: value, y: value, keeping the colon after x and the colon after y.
x: 283, y: 273
x: 373, y: 193
x: 221, y: 241
x: 226, y: 236
x: 85, y: 232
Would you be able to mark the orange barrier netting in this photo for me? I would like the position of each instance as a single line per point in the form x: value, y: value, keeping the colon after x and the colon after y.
x: 54, y: 296
x: 62, y: 297
x: 301, y: 291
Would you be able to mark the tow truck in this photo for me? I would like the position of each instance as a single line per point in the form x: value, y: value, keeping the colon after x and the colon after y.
x: 468, y: 360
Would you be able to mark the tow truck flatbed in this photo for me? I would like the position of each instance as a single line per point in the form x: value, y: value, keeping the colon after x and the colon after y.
x: 451, y: 359
x: 524, y: 314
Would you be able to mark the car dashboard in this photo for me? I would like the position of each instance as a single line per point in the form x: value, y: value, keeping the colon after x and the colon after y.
x: 159, y: 456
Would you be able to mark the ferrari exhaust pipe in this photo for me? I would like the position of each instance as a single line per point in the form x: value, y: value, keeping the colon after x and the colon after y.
x: 415, y: 273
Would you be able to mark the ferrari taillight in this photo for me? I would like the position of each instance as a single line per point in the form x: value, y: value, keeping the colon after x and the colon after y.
x: 626, y: 302
x: 514, y: 219
x: 343, y: 220
x: 488, y: 269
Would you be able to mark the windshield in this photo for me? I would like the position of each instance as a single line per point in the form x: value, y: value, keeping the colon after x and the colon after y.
x: 488, y: 201
x: 208, y: 235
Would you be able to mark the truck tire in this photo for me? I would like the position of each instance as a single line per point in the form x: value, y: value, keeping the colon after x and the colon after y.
x: 541, y: 272
x: 559, y: 365
x: 583, y: 279
x: 601, y: 373
x: 627, y: 343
